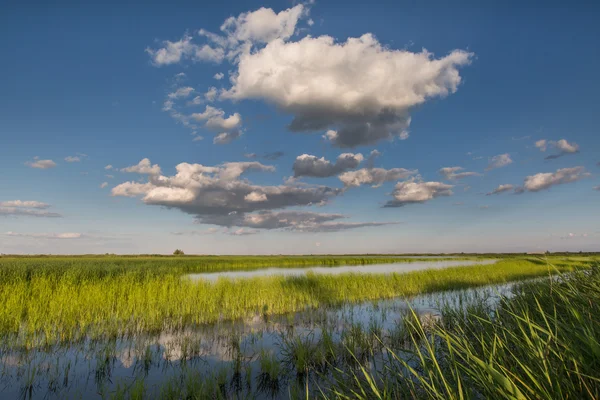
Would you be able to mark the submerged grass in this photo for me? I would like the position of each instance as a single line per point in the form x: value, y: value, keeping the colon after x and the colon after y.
x: 50, y: 300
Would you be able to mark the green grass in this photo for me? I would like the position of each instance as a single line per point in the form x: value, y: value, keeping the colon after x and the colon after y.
x: 66, y: 299
x: 542, y: 344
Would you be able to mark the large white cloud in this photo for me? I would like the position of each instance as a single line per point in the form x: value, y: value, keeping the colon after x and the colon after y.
x: 359, y: 90
x: 359, y: 87
x: 411, y: 192
x: 203, y: 190
x: 541, y: 181
x: 309, y: 165
x: 218, y: 195
x: 374, y: 176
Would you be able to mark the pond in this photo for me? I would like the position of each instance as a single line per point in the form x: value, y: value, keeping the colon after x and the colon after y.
x: 232, y: 354
x: 396, y: 268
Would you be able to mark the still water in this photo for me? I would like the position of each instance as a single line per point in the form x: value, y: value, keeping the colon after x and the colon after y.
x: 229, y: 353
x: 397, y: 268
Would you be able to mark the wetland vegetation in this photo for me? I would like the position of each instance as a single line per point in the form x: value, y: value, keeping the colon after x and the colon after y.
x: 131, y: 327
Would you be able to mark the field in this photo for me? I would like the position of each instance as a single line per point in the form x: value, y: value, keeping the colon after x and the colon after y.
x: 100, y: 305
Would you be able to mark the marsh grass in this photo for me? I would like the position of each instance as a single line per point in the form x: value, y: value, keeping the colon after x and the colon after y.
x: 54, y: 300
x: 543, y: 343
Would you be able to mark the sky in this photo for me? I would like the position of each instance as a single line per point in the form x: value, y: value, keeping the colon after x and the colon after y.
x: 285, y: 127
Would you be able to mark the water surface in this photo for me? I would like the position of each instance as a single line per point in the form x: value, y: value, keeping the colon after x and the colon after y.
x: 396, y: 268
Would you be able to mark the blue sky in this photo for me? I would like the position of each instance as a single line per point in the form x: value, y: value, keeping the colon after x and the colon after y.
x: 89, y: 86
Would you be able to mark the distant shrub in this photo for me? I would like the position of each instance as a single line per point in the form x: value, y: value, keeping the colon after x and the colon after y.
x: 178, y: 252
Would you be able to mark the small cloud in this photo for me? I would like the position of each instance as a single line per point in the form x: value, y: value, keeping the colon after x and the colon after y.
x: 454, y: 173
x: 273, y: 156
x: 103, y: 185
x: 77, y: 158
x: 108, y: 167
x: 218, y: 76
x: 597, y: 188
x: 41, y: 164
x: 197, y: 138
x: 143, y: 167
x: 227, y: 137
x: 499, y: 161
x: 542, y: 181
x: 574, y: 236
x: 562, y: 145
x: 484, y: 207
x: 501, y: 189
x: 109, y: 176
x: 68, y: 235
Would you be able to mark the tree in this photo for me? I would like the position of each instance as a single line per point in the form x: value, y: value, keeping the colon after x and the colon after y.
x: 178, y: 252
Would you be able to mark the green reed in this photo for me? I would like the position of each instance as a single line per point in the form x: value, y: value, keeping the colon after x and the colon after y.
x: 50, y: 300
x: 543, y: 343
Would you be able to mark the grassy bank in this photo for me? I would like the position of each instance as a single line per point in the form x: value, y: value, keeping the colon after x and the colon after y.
x: 50, y: 300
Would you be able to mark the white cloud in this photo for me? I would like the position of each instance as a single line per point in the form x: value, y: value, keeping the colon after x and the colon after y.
x: 575, y: 236
x: 216, y: 121
x: 25, y: 204
x: 68, y: 235
x: 217, y: 194
x: 374, y: 176
x: 255, y: 197
x: 309, y: 165
x: 174, y: 52
x: 103, y: 185
x: 143, y: 167
x: 108, y: 167
x: 181, y: 93
x: 453, y: 173
x: 541, y: 181
x: 26, y: 212
x: 218, y: 76
x: 360, y: 87
x: 263, y: 25
x: 562, y: 145
x: 411, y: 192
x: 211, y: 95
x: 360, y: 90
x: 296, y: 221
x: 197, y: 138
x: 567, y: 147
x: 226, y: 137
x: 41, y: 164
x: 242, y: 232
x: 72, y: 159
x: 499, y: 161
x: 542, y: 144
x: 501, y: 189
